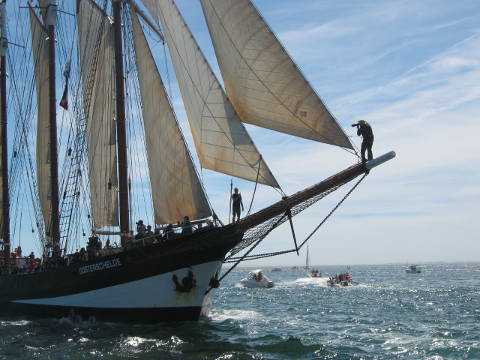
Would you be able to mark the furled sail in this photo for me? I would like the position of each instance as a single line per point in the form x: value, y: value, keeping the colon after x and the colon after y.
x: 264, y: 85
x: 96, y: 51
x: 42, y: 75
x: 221, y: 140
x: 176, y: 188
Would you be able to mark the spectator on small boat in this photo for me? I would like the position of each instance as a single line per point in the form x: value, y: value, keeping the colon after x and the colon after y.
x: 18, y: 250
x: 365, y: 130
x: 187, y: 227
x: 236, y: 204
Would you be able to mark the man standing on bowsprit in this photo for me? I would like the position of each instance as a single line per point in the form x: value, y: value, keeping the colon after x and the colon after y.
x: 236, y: 204
x: 365, y: 130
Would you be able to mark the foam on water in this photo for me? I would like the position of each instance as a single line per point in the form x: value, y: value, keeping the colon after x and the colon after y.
x: 221, y: 315
x: 14, y: 323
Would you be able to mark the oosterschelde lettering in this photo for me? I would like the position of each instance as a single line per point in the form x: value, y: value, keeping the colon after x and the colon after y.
x: 99, y: 266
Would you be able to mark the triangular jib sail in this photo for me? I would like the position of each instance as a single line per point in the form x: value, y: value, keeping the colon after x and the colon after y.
x: 176, y: 188
x: 221, y: 140
x: 264, y: 85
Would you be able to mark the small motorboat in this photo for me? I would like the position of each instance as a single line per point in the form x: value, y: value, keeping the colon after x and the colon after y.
x: 413, y: 269
x: 276, y: 269
x: 340, y: 280
x: 256, y: 279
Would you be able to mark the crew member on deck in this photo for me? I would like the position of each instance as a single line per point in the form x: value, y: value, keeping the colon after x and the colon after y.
x: 187, y: 228
x: 140, y: 229
x: 365, y: 130
x: 236, y: 204
x: 149, y: 232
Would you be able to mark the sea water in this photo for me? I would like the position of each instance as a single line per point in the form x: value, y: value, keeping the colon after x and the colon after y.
x: 388, y: 315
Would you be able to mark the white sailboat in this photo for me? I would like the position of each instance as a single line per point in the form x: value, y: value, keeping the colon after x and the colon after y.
x: 314, y: 273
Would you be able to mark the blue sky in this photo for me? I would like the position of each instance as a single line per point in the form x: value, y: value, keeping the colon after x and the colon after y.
x: 411, y: 69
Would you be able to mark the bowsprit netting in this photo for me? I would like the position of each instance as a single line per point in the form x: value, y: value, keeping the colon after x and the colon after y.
x: 257, y: 233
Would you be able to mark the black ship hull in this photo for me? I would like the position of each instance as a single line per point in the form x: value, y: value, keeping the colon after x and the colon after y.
x: 167, y: 281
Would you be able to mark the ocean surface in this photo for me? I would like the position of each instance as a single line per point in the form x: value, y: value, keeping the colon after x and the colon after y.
x: 388, y: 315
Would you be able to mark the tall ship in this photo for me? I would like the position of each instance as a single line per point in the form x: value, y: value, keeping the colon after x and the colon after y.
x: 93, y: 141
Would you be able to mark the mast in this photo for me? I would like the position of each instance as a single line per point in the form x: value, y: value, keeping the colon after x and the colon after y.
x: 4, y: 143
x: 120, y: 120
x: 50, y: 22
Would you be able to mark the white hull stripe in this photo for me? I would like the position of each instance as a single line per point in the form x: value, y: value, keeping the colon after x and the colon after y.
x: 153, y: 292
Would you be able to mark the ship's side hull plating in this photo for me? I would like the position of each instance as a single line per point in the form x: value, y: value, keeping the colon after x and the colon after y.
x: 160, y: 282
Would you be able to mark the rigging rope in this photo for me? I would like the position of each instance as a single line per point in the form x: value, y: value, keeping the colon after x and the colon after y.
x: 256, y: 183
x: 245, y: 257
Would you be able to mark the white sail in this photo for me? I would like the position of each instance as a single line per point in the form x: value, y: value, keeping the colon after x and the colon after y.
x: 42, y: 75
x: 176, y: 188
x: 96, y: 51
x: 264, y: 85
x: 221, y: 140
x: 307, y: 259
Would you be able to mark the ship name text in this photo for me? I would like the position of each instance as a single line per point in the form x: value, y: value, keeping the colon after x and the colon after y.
x: 99, y: 266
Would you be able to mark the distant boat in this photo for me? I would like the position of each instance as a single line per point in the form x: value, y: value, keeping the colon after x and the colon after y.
x: 256, y: 279
x: 276, y: 269
x: 340, y: 280
x: 413, y: 269
x: 311, y: 272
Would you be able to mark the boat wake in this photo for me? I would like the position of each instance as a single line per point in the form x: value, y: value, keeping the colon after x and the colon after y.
x: 76, y: 321
x: 234, y: 314
x: 307, y: 281
x: 14, y: 323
